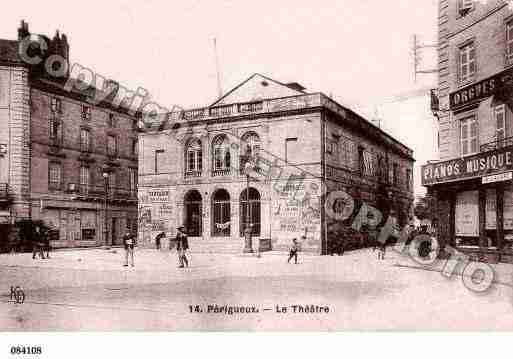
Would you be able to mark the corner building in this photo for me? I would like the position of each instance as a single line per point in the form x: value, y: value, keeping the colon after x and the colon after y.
x: 64, y: 159
x: 193, y: 168
x: 470, y: 185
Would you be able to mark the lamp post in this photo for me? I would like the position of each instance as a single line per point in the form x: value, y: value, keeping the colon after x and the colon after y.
x: 105, y: 175
x: 248, y: 245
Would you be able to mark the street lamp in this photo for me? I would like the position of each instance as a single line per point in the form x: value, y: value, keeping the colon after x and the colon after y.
x: 105, y: 175
x: 248, y: 245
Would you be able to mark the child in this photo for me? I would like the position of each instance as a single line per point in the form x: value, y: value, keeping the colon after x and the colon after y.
x: 293, y: 251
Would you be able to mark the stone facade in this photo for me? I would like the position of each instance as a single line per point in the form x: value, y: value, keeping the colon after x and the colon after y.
x: 51, y: 172
x: 292, y: 166
x: 474, y: 211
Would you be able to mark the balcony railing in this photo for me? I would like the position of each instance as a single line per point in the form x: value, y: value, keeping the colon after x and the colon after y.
x: 4, y: 191
x: 192, y: 174
x: 221, y: 172
x: 490, y: 146
x: 92, y: 191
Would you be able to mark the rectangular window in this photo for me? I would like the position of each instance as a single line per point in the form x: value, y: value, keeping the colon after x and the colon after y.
x: 396, y: 174
x: 134, y: 150
x: 291, y: 148
x: 86, y: 112
x: 84, y: 179
x: 85, y: 140
x: 408, y: 179
x: 56, y: 105
x: 132, y: 179
x: 467, y: 62
x: 112, y: 145
x: 112, y: 182
x: 159, y: 161
x: 468, y: 136
x: 465, y: 6
x: 54, y: 175
x: 500, y: 121
x: 509, y: 41
x: 333, y: 146
x: 55, y: 131
x: 111, y: 121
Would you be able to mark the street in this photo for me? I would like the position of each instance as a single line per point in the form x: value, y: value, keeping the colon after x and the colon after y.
x: 91, y: 290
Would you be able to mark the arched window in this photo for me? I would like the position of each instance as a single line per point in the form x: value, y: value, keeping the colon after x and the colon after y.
x: 193, y: 158
x: 193, y: 213
x: 250, y: 148
x: 250, y: 144
x: 250, y: 214
x: 221, y: 156
x: 221, y: 213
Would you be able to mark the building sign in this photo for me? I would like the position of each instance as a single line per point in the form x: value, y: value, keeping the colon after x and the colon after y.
x: 3, y: 149
x: 486, y: 163
x: 467, y: 214
x: 480, y: 90
x: 498, y: 178
x: 158, y: 196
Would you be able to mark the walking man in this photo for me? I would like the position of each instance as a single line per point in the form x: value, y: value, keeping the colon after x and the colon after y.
x: 158, y: 239
x: 129, y: 243
x: 37, y: 243
x: 182, y: 244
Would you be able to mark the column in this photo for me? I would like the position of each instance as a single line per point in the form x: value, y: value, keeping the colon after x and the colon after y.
x: 499, y: 208
x: 452, y: 219
x: 482, y: 217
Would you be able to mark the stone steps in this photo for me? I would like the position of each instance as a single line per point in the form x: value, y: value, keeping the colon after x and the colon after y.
x: 228, y: 246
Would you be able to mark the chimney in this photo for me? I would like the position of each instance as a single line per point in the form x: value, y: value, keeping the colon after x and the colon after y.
x: 23, y: 30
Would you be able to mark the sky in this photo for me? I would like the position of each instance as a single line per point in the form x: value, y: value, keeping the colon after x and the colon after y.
x: 357, y: 51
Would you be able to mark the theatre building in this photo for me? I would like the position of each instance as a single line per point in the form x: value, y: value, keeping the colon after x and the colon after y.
x: 262, y: 156
x: 471, y: 183
x: 65, y: 158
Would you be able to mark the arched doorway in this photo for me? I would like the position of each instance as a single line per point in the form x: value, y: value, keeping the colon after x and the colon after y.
x: 221, y: 213
x: 251, y: 211
x: 193, y: 213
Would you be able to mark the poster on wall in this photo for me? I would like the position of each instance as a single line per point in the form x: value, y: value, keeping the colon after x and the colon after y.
x: 467, y: 214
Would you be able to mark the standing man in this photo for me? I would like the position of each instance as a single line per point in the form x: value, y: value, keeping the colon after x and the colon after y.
x: 37, y: 243
x: 182, y: 244
x: 158, y: 239
x: 129, y: 243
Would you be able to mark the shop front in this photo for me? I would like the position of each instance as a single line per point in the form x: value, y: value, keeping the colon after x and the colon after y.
x: 472, y: 202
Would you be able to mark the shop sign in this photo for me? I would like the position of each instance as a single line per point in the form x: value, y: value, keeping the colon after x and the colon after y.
x: 479, y: 165
x: 498, y: 178
x: 480, y: 90
x: 3, y: 149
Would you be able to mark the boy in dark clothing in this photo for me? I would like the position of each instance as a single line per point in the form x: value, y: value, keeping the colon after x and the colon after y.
x: 129, y: 243
x: 182, y: 244
x: 293, y: 251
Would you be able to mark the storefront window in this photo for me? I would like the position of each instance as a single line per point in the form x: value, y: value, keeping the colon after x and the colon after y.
x: 467, y: 218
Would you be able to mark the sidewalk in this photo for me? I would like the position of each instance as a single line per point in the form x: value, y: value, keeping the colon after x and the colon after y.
x: 503, y: 272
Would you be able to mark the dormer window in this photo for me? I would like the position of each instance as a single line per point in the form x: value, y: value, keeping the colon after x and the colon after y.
x: 465, y: 6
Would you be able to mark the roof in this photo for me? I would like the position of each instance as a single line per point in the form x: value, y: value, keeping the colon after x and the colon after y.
x: 9, y: 51
x: 259, y: 87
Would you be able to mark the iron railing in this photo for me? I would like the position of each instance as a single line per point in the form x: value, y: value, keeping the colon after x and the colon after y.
x: 193, y: 174
x: 490, y: 146
x: 89, y: 190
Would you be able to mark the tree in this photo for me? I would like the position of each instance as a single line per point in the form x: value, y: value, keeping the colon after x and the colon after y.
x: 422, y: 209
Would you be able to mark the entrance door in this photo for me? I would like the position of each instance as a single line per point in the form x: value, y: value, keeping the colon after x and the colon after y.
x: 114, y: 232
x: 193, y: 214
